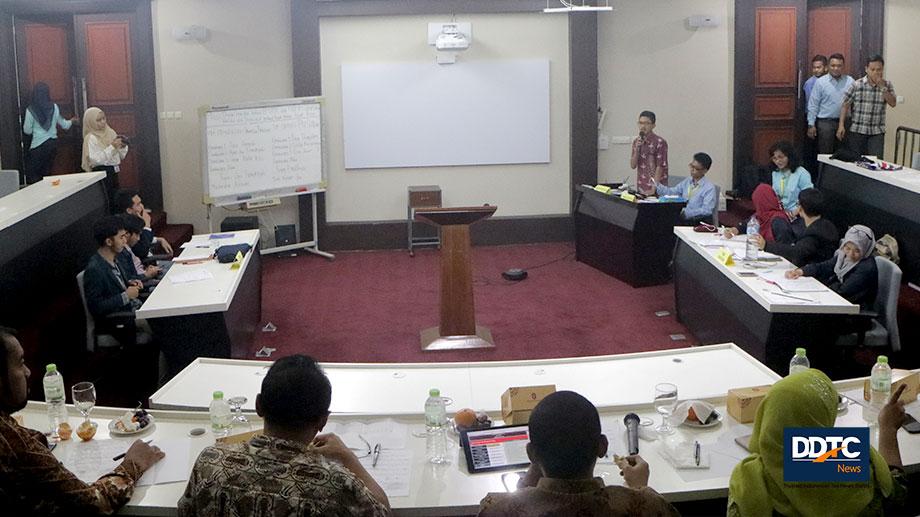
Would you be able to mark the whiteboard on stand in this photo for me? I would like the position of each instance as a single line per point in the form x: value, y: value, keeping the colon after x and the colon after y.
x: 262, y: 150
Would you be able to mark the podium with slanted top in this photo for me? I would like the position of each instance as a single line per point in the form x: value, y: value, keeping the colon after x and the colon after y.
x: 458, y: 329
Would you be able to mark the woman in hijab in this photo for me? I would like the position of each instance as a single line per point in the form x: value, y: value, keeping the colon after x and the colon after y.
x: 809, y: 399
x: 851, y: 272
x: 103, y: 149
x: 767, y: 210
x: 41, y: 122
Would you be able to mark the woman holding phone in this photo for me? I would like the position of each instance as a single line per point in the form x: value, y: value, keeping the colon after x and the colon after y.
x: 103, y: 149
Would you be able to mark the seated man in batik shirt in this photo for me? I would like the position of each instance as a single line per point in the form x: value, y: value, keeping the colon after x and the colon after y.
x: 289, y: 470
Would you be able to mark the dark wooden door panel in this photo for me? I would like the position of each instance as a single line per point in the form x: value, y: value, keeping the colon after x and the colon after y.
x: 775, y: 51
x: 831, y: 31
x: 45, y: 54
x: 105, y: 47
x: 774, y: 107
x: 109, y: 76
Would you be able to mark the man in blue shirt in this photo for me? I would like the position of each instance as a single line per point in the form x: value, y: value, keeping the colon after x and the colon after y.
x: 809, y: 146
x: 824, y: 105
x: 699, y: 192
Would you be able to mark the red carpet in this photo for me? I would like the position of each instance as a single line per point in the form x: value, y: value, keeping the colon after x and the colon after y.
x: 370, y: 307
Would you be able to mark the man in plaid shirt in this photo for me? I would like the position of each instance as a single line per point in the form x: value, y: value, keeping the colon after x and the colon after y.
x: 866, y: 100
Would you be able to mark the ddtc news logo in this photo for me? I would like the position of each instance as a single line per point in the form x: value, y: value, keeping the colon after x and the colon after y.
x: 826, y: 454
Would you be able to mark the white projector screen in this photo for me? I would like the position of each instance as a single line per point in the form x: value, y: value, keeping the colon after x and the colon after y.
x: 425, y: 114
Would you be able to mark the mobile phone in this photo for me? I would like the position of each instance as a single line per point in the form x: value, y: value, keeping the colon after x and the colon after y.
x: 910, y: 424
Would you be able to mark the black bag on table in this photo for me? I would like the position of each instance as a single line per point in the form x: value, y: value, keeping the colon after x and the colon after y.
x: 227, y: 253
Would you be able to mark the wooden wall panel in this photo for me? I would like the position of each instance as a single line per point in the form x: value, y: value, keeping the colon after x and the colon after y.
x: 124, y: 123
x: 108, y: 54
x: 766, y: 137
x: 830, y: 32
x: 774, y: 107
x: 775, y: 47
x: 48, y: 57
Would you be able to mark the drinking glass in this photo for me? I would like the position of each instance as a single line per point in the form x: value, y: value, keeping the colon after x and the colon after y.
x: 239, y: 420
x: 84, y: 397
x: 665, y: 400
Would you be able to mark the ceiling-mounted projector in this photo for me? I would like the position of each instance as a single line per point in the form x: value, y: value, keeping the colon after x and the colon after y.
x: 451, y: 38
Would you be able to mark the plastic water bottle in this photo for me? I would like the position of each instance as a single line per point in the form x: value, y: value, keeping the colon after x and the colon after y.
x: 879, y: 389
x: 53, y: 383
x: 219, y: 412
x: 750, y: 249
x: 436, y: 427
x: 799, y: 362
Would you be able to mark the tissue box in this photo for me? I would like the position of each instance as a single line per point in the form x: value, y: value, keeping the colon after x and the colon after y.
x: 518, y: 402
x: 899, y: 377
x: 743, y: 402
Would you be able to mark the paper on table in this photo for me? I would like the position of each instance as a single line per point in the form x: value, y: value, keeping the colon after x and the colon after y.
x: 616, y: 441
x: 787, y: 299
x: 191, y: 275
x: 799, y: 285
x: 723, y: 455
x: 173, y: 467
x: 393, y: 471
x: 190, y: 254
x: 91, y: 460
x: 389, y: 433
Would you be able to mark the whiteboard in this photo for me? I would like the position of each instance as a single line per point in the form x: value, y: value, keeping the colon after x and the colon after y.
x: 262, y: 150
x: 419, y: 114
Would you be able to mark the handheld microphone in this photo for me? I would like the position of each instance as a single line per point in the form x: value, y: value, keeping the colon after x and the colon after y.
x: 631, y: 420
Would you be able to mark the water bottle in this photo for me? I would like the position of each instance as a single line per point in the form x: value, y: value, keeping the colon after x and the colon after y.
x: 750, y: 249
x: 799, y: 362
x: 436, y: 427
x: 53, y: 383
x: 219, y: 412
x: 879, y: 389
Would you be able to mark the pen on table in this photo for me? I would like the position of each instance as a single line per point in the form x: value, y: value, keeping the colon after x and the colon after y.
x: 376, y: 455
x: 696, y: 452
x: 122, y: 455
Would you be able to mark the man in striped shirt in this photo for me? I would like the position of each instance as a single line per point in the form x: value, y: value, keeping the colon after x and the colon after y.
x: 866, y: 102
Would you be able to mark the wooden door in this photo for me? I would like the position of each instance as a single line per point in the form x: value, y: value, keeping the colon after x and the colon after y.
x: 834, y: 26
x: 105, y: 56
x: 769, y: 65
x: 44, y: 53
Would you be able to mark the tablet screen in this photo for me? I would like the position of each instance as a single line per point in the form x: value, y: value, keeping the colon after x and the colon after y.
x: 496, y: 448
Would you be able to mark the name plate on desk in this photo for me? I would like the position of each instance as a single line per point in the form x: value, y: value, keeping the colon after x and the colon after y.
x: 626, y: 196
x: 724, y: 255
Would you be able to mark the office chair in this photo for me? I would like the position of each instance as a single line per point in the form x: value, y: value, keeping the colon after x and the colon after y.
x: 119, y: 328
x: 884, y: 325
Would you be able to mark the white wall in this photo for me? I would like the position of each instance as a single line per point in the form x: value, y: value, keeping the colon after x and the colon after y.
x: 902, y: 17
x: 380, y: 194
x: 649, y: 59
x: 247, y: 57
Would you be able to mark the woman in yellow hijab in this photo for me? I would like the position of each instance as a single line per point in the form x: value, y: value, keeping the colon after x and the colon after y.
x: 103, y: 149
x: 809, y: 399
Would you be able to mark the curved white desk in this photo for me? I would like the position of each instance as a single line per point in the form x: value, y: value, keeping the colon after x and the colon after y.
x: 401, y: 389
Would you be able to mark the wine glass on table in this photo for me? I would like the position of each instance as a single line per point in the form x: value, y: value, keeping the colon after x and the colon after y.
x: 84, y: 398
x: 665, y: 400
x: 239, y: 421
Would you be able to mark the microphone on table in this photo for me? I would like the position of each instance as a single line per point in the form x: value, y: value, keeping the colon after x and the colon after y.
x: 631, y: 420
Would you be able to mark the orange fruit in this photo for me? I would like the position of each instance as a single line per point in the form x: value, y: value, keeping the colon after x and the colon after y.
x: 466, y: 417
x: 64, y: 431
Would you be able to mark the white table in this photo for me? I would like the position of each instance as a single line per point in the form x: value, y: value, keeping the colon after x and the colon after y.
x: 886, y: 201
x: 33, y: 199
x: 401, y: 389
x: 718, y: 304
x: 214, y: 317
x: 449, y: 490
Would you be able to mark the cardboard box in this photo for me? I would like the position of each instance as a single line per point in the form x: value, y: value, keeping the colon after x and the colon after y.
x: 518, y: 402
x: 743, y: 402
x: 899, y: 377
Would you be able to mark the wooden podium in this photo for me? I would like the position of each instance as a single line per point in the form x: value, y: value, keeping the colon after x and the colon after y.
x: 458, y: 329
